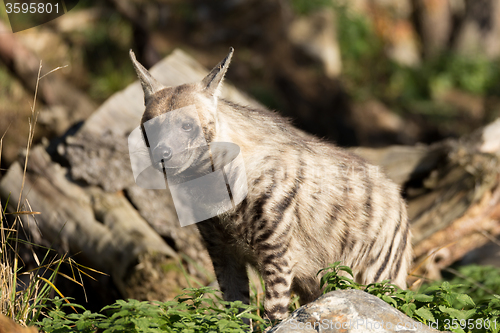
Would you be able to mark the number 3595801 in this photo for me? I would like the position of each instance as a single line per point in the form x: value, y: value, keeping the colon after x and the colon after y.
x: 32, y: 8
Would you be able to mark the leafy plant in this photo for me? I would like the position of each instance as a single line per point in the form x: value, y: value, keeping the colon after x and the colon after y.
x: 332, y: 280
x: 197, y: 310
x: 480, y: 282
x: 443, y: 305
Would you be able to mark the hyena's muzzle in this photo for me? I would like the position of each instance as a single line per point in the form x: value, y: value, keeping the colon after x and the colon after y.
x: 176, y: 140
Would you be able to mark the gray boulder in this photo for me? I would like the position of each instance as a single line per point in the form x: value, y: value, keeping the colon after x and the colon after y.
x: 349, y: 311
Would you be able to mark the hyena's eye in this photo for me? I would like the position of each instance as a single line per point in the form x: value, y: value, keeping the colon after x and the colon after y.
x: 187, y: 127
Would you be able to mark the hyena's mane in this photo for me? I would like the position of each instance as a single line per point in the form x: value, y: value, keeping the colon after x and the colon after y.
x: 272, y: 130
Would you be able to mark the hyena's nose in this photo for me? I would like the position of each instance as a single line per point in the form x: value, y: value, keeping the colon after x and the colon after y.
x: 162, y: 153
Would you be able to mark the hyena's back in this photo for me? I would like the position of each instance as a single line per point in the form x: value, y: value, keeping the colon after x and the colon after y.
x: 309, y: 203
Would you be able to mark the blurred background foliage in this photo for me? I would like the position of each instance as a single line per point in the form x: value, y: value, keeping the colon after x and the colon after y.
x: 363, y: 72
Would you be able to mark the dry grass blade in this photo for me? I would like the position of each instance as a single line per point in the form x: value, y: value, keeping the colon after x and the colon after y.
x: 57, y: 291
x: 18, y: 300
x: 81, y: 271
x: 6, y: 287
x: 1, y: 142
x: 52, y: 71
x: 32, y: 123
x: 420, y: 279
x: 24, y: 213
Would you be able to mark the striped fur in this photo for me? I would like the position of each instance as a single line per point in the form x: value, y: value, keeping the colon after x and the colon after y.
x: 309, y: 203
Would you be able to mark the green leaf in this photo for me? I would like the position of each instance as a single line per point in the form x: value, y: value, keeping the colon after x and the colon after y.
x: 408, y: 309
x: 454, y: 313
x: 465, y: 299
x: 426, y: 314
x: 389, y: 300
x: 423, y: 298
x: 346, y: 269
x: 445, y: 286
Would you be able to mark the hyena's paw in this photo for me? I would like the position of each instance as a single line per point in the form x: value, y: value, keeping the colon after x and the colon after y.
x: 275, y: 318
x: 249, y: 322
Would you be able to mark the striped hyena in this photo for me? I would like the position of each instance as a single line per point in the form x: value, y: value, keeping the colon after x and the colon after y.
x: 308, y: 202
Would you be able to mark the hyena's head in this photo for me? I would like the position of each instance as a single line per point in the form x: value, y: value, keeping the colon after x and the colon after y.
x: 179, y: 122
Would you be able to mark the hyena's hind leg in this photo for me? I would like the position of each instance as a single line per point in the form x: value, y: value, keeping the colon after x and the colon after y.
x: 278, y: 276
x: 230, y: 269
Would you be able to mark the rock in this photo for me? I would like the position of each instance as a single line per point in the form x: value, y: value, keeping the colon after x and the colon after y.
x: 489, y: 142
x: 404, y: 163
x: 349, y: 311
x: 376, y: 124
x: 104, y: 228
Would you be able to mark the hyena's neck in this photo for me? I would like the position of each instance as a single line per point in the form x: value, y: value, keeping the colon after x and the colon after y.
x: 262, y: 130
x: 273, y: 151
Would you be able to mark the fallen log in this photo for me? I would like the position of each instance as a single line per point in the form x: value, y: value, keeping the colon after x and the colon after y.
x: 453, y: 194
x: 103, y: 227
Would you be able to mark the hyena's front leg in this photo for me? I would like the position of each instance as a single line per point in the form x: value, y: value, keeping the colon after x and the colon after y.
x: 277, y: 275
x: 230, y: 269
x: 232, y: 276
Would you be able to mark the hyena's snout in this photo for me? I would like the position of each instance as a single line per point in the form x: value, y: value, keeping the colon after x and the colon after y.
x: 162, y: 153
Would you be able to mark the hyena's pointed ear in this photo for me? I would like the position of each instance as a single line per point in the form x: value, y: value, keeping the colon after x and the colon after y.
x: 148, y: 83
x: 213, y: 81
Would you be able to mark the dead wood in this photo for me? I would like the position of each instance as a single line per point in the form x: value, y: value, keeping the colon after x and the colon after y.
x: 104, y: 227
x: 453, y: 193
